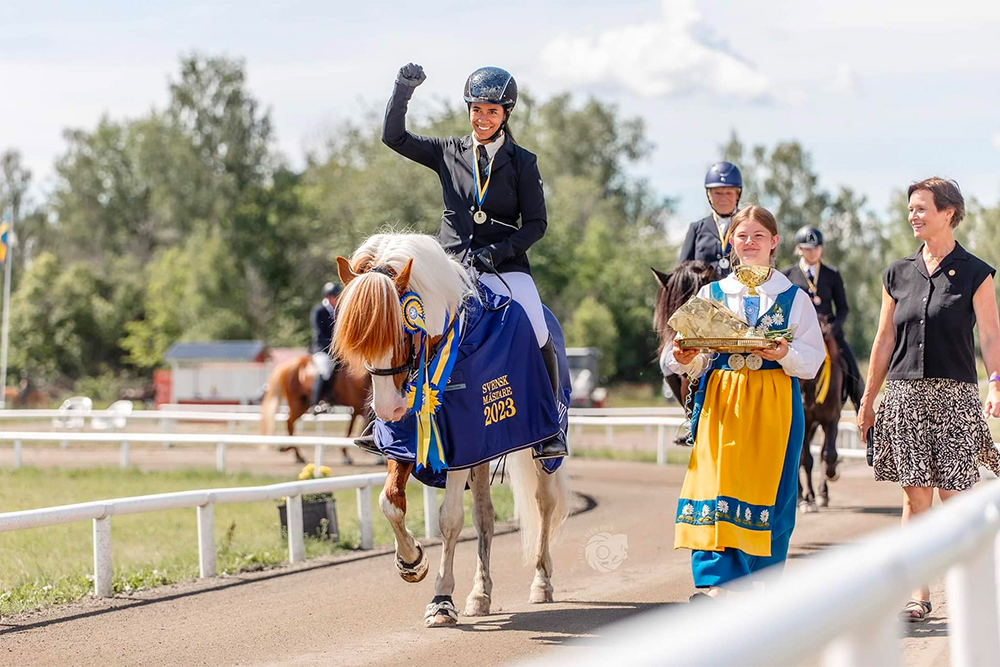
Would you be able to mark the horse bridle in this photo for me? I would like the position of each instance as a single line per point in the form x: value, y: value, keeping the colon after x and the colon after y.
x: 407, y: 367
x: 410, y: 365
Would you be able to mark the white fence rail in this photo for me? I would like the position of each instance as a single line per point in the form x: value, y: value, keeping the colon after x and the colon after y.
x: 839, y: 606
x: 101, y: 511
x: 221, y: 442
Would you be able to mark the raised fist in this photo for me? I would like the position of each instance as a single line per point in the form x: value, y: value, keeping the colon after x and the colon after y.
x: 411, y: 75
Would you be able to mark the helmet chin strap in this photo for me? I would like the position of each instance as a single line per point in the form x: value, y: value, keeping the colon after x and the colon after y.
x: 736, y: 206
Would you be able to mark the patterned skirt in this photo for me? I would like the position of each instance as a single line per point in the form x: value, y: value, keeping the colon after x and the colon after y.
x: 932, y: 433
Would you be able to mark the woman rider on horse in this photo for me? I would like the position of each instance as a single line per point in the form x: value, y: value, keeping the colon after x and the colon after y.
x: 494, y: 205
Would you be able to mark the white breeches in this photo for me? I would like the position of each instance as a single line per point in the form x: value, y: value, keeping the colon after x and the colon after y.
x: 523, y: 290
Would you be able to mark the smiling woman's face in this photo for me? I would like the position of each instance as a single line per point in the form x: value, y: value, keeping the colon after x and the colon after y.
x: 753, y: 243
x: 925, y: 218
x: 486, y: 120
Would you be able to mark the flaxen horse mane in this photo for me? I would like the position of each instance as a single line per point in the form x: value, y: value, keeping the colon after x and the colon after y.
x: 382, y: 269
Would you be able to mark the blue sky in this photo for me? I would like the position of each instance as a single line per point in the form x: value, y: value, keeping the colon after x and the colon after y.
x: 880, y: 93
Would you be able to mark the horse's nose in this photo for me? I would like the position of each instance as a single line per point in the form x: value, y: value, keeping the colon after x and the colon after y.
x: 398, y: 412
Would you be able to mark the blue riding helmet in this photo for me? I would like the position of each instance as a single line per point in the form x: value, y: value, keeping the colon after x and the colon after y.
x: 332, y: 289
x: 809, y: 237
x: 724, y: 175
x: 491, y: 85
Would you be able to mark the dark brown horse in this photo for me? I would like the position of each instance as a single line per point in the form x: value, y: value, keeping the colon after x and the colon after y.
x: 822, y: 400
x: 676, y: 288
x: 293, y: 382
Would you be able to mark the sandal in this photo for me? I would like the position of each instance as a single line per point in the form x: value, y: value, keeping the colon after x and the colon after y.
x: 915, y: 611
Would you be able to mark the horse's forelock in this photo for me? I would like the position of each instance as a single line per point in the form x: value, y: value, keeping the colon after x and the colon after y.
x: 369, y: 320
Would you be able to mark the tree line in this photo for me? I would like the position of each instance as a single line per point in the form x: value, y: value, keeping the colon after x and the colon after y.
x: 187, y: 224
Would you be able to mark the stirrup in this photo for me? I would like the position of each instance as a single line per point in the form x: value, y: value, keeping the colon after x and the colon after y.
x: 553, y: 448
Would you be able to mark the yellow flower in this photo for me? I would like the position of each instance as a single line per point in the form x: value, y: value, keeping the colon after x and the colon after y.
x: 307, y: 472
x: 325, y: 471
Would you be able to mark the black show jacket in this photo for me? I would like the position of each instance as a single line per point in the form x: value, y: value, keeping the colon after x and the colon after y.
x: 514, y: 204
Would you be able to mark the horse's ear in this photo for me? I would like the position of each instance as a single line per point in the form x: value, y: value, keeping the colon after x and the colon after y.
x: 662, y: 277
x: 402, y: 280
x: 344, y: 271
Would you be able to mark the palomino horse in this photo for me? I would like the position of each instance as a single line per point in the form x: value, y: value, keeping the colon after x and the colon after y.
x: 293, y: 382
x: 370, y: 336
x: 822, y: 399
x: 676, y: 288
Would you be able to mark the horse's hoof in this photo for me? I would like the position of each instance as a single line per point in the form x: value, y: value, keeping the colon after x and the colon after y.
x: 822, y: 501
x: 540, y: 594
x: 807, y: 506
x: 835, y: 475
x: 477, y: 605
x: 299, y: 459
x: 413, y: 572
x: 441, y: 612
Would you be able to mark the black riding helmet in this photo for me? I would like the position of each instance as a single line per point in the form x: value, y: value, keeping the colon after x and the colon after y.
x: 492, y: 85
x: 809, y: 237
x: 332, y: 289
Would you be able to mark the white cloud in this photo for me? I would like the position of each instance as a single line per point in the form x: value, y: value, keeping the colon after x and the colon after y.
x: 846, y: 81
x: 677, y: 54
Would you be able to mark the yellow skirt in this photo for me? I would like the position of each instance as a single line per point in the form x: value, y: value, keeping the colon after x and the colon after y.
x: 729, y: 492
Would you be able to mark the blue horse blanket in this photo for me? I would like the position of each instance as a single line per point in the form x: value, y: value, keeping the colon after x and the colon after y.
x: 498, y: 399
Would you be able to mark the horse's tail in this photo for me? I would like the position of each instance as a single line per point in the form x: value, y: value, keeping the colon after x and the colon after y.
x: 524, y: 482
x: 269, y: 404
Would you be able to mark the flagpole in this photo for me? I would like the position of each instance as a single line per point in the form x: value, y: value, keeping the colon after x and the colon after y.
x: 5, y: 325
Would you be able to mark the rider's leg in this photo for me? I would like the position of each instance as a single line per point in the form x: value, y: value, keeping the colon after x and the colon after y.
x: 324, y: 365
x: 523, y: 290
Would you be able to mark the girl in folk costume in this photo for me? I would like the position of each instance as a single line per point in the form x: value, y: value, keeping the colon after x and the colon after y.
x: 737, y: 505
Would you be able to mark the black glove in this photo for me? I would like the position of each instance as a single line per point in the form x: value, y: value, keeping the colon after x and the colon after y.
x: 482, y: 260
x: 411, y: 75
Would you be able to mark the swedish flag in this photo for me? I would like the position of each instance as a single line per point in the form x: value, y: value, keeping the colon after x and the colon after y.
x: 4, y: 242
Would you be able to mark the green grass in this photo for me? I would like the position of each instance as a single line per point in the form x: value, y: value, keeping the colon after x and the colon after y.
x: 46, y: 566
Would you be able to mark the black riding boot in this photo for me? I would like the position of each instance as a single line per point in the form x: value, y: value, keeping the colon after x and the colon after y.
x: 317, y: 393
x: 554, y: 447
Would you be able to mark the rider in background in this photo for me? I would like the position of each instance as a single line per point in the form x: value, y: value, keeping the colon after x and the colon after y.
x: 494, y: 204
x: 322, y: 319
x: 825, y: 287
x: 708, y: 238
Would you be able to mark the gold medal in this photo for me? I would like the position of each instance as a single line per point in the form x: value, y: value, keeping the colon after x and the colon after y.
x: 754, y: 362
x: 724, y: 263
x: 479, y: 216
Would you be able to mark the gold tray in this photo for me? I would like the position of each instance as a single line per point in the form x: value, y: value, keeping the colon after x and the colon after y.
x: 738, y: 345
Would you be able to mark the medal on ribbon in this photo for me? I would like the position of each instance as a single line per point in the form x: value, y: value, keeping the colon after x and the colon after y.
x: 423, y: 395
x: 481, y: 187
x: 725, y: 241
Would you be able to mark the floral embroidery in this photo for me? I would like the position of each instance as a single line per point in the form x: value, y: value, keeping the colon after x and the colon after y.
x: 747, y: 515
x: 688, y: 509
x: 764, y: 516
x: 723, y: 507
x: 705, y: 510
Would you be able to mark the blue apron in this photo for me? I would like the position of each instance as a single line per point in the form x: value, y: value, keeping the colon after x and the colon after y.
x: 498, y: 399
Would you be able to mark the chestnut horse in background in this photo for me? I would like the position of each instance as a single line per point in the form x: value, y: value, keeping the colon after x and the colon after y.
x: 822, y: 401
x: 293, y: 382
x: 676, y: 288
